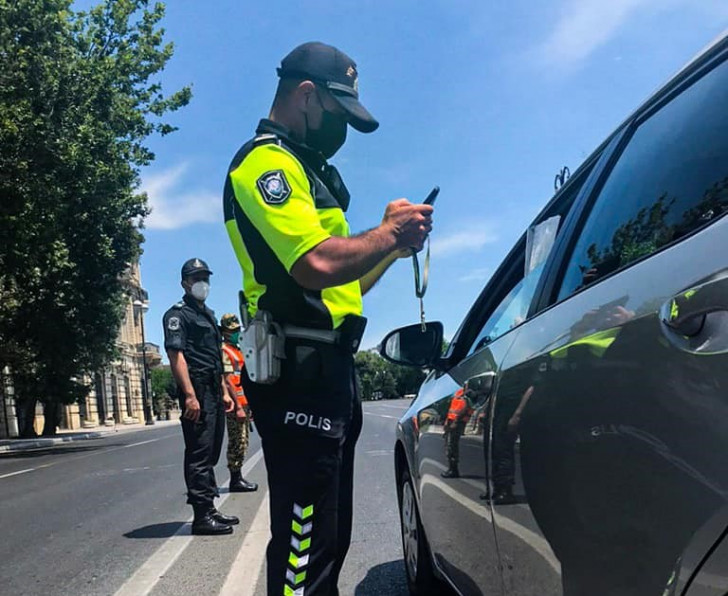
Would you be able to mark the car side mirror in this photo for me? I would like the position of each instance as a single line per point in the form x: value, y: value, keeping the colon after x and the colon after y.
x: 413, y: 345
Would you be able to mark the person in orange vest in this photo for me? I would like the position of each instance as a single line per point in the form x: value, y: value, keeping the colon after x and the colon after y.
x: 457, y: 418
x: 238, y: 422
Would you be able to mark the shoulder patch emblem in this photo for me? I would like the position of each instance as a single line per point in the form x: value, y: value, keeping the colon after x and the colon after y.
x: 274, y: 187
x: 173, y: 323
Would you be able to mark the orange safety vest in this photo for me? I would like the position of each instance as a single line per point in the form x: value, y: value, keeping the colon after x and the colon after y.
x: 458, y: 407
x: 237, y: 360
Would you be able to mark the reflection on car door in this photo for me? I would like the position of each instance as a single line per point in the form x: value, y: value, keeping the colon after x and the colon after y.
x: 622, y: 441
x: 615, y: 397
x: 457, y: 521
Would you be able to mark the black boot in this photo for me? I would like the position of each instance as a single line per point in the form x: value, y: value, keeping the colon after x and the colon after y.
x: 238, y: 484
x: 205, y: 523
x: 503, y: 496
x: 451, y: 473
x: 230, y: 520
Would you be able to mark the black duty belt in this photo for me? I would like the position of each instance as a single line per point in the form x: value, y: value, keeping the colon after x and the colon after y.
x: 347, y: 336
x: 204, y: 375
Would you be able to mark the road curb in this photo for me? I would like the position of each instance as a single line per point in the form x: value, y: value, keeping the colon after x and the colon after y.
x: 25, y: 444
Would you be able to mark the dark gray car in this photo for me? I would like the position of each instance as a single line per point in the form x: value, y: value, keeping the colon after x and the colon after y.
x: 574, y: 438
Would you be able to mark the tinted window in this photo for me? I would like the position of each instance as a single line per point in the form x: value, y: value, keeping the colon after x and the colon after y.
x: 520, y: 288
x: 671, y: 179
x: 511, y: 311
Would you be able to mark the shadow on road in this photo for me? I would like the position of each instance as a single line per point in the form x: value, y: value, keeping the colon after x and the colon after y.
x: 387, y: 578
x: 166, y: 530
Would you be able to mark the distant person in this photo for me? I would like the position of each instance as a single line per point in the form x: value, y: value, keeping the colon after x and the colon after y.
x: 304, y: 275
x: 192, y: 340
x: 458, y: 415
x: 238, y: 421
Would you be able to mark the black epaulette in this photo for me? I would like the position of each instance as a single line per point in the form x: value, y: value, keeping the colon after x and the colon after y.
x: 180, y: 304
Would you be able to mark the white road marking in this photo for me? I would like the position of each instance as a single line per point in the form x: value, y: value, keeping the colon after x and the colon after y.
x: 381, y: 415
x: 131, y: 445
x: 102, y: 451
x: 148, y: 575
x: 145, y: 442
x: 380, y: 452
x: 18, y: 472
x: 242, y: 580
x: 402, y: 408
x: 24, y: 471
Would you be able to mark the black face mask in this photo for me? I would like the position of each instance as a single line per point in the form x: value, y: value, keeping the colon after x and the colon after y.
x: 330, y: 136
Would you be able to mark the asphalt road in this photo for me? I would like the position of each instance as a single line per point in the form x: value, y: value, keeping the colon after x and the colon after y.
x: 108, y: 517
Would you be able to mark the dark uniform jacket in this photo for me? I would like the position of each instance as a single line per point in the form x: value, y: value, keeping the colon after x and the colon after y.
x: 194, y: 331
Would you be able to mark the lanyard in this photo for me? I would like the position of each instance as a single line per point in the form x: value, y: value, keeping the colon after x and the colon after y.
x: 421, y: 281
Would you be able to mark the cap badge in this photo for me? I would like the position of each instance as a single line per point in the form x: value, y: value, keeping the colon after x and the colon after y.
x: 351, y: 72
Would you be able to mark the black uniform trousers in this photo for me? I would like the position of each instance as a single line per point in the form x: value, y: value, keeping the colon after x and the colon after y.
x: 203, y: 442
x: 309, y: 422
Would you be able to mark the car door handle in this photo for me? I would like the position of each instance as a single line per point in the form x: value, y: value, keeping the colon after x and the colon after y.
x: 685, y: 313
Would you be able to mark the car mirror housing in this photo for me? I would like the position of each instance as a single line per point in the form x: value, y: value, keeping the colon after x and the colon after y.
x: 414, y: 345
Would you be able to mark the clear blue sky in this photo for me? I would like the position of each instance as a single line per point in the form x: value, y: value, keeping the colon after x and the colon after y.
x: 486, y: 99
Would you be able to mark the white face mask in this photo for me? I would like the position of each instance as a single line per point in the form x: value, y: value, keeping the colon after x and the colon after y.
x: 200, y: 290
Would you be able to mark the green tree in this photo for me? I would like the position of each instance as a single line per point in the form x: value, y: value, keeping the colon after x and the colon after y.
x: 376, y: 375
x: 78, y: 99
x: 164, y: 388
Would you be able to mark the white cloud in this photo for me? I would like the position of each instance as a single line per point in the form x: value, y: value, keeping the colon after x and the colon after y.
x: 476, y: 275
x: 585, y: 25
x: 173, y: 208
x: 468, y: 238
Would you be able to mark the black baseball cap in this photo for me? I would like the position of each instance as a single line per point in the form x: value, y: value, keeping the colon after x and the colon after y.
x: 192, y: 266
x: 331, y: 68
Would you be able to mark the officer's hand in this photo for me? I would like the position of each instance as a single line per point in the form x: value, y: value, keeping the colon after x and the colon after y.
x: 192, y: 409
x: 229, y: 403
x: 240, y: 414
x: 410, y: 223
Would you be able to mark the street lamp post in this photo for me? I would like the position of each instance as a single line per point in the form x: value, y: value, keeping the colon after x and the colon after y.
x: 148, y: 417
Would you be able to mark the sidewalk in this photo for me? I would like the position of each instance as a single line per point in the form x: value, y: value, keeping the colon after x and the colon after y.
x: 65, y: 436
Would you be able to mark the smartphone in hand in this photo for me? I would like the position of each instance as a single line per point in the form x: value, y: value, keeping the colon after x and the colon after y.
x: 430, y: 200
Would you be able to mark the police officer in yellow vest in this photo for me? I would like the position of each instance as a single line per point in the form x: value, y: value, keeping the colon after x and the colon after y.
x: 284, y: 208
x: 238, y: 421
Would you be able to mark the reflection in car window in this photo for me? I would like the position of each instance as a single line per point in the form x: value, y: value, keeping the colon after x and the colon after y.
x: 671, y: 179
x: 512, y: 310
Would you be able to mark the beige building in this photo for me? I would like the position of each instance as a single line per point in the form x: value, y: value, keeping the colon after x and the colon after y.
x: 117, y: 394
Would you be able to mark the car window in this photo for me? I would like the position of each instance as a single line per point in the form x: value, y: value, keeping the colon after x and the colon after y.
x: 671, y: 178
x: 517, y: 287
x: 511, y: 311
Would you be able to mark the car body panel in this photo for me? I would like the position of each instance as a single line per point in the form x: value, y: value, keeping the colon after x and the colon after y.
x: 608, y: 413
x: 609, y: 457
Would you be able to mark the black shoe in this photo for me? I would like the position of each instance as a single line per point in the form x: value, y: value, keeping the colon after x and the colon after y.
x: 451, y: 473
x: 238, y: 484
x: 209, y: 526
x: 503, y: 497
x: 230, y: 520
x: 485, y: 496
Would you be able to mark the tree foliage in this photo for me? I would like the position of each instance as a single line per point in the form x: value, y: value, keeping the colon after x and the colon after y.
x: 378, y: 377
x: 78, y: 99
x: 164, y: 388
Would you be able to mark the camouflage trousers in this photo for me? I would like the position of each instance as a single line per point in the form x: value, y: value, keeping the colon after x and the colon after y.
x: 238, y: 437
